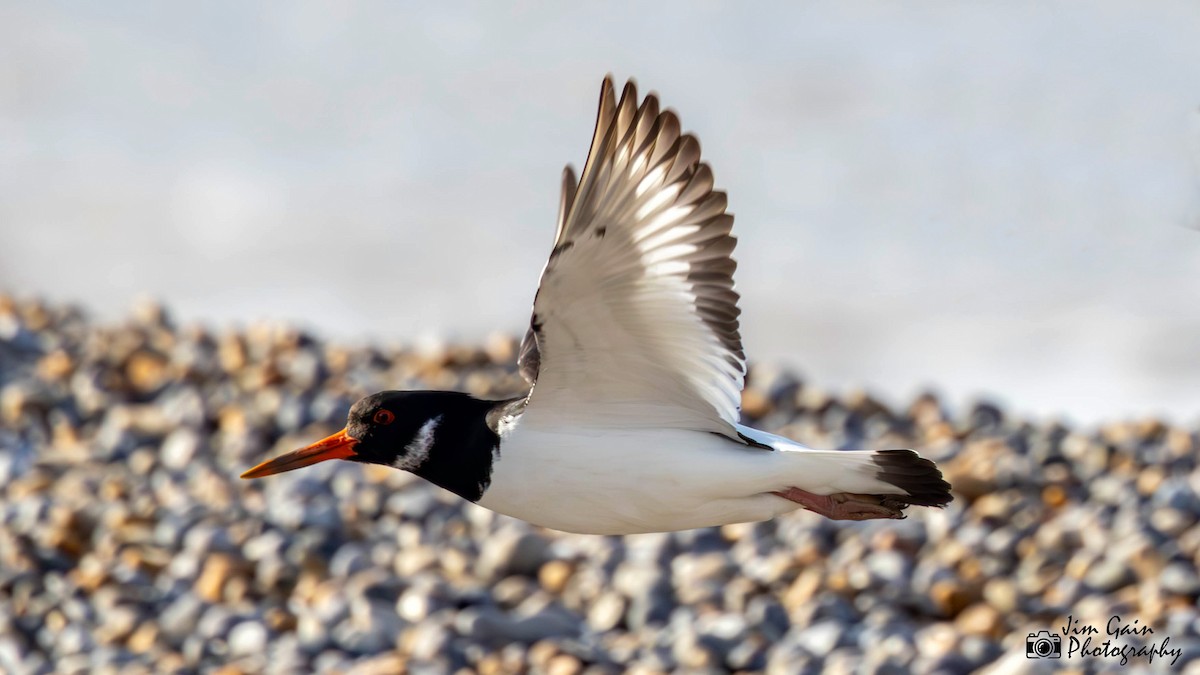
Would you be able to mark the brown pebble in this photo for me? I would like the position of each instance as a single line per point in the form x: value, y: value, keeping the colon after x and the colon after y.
x: 739, y: 591
x: 501, y: 349
x: 1118, y: 433
x: 413, y: 561
x: 1151, y: 430
x: 217, y: 571
x: 802, y: 589
x: 1180, y: 443
x: 90, y: 574
x: 755, y: 403
x: 236, y: 590
x: 1001, y: 594
x: 147, y: 559
x: 861, y: 402
x: 149, y: 312
x: 171, y: 662
x: 939, y: 433
x: 994, y: 505
x: 554, y: 575
x: 385, y: 664
x: 1149, y: 479
x: 1123, y: 463
x: 1079, y: 563
x: 13, y: 400
x: 232, y: 420
x: 970, y: 571
x: 564, y: 664
x: 810, y: 552
x: 1054, y: 496
x: 455, y: 563
x: 926, y: 410
x: 884, y: 540
x: 231, y: 352
x: 973, y: 471
x: 735, y: 532
x: 949, y: 597
x: 55, y: 366
x: 490, y: 664
x: 980, y: 619
x: 1147, y: 561
x: 143, y: 638
x: 479, y: 384
x: 146, y: 370
x: 55, y: 621
x: 35, y: 315
x: 280, y: 620
x: 541, y: 652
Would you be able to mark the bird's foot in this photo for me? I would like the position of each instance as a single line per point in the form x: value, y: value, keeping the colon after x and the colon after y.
x: 846, y: 505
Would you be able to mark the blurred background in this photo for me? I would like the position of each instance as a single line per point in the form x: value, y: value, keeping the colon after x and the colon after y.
x: 996, y: 200
x: 992, y: 199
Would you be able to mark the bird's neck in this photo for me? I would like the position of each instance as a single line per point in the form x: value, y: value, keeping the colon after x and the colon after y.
x: 465, y: 446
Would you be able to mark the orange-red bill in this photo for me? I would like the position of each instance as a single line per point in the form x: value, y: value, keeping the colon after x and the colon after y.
x: 337, y: 446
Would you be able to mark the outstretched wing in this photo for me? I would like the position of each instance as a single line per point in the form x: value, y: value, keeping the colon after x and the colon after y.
x: 636, y: 320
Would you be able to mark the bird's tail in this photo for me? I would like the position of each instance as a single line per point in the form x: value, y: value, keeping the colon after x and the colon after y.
x: 900, y: 475
x: 919, y: 478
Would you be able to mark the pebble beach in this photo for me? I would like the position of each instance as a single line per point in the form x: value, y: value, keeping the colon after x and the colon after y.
x: 128, y: 544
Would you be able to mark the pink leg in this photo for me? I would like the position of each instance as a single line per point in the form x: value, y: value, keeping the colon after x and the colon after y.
x: 846, y: 505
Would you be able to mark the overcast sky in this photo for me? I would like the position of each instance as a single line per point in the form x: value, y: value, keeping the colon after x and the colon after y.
x: 995, y: 199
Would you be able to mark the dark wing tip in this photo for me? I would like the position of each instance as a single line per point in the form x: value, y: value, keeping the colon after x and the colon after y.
x: 914, y: 474
x: 606, y: 87
x: 629, y: 91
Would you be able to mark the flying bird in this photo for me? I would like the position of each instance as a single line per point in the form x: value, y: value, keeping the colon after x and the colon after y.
x: 636, y: 370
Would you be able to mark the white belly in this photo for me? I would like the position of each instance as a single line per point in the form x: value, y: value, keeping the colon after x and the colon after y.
x: 610, y: 481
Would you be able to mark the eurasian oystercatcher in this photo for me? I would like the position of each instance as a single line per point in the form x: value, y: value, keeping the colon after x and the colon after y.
x: 633, y: 351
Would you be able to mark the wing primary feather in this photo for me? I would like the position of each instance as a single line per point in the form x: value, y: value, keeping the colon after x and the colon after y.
x: 636, y: 308
x: 566, y: 200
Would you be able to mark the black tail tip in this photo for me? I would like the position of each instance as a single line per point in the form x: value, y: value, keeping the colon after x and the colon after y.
x: 917, y: 476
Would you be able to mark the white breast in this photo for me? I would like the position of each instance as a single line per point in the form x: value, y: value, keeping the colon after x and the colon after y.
x: 615, y: 481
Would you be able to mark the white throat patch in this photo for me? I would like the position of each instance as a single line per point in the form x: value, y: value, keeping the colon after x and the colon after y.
x: 417, y: 450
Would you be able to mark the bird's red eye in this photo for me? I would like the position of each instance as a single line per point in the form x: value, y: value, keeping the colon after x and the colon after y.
x: 384, y: 417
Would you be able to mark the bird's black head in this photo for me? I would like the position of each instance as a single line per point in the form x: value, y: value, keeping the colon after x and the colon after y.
x: 396, y: 428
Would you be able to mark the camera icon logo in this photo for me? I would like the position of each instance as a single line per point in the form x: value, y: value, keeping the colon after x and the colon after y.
x: 1043, y: 645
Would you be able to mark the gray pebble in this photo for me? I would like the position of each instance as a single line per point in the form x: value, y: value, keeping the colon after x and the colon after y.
x: 889, y: 568
x: 1180, y: 578
x: 285, y: 655
x: 511, y: 552
x: 116, y: 496
x: 179, y: 448
x: 979, y: 651
x: 1109, y: 574
x: 313, y: 634
x: 331, y: 661
x: 492, y: 625
x: 429, y: 639
x: 820, y: 638
x: 248, y: 638
x: 180, y: 617
x: 352, y: 557
x: 74, y: 639
x: 768, y: 616
x: 747, y: 655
